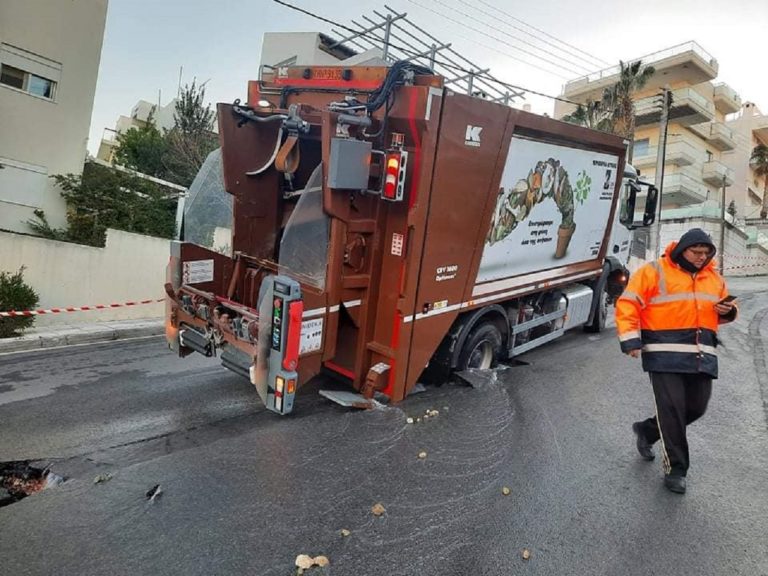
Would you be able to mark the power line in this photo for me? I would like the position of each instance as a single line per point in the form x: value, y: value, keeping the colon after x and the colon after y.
x: 500, y: 40
x: 595, y: 58
x: 406, y: 51
x: 526, y: 42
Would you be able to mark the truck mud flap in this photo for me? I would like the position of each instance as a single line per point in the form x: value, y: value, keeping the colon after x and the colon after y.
x: 236, y: 361
x: 193, y: 339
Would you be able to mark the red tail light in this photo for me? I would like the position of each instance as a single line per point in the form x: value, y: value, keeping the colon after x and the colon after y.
x: 291, y: 356
x: 394, y: 176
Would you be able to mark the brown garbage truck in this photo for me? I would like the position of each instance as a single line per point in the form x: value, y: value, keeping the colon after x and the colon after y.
x: 386, y: 230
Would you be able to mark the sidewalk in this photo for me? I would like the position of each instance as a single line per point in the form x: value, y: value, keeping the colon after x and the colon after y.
x: 68, y: 335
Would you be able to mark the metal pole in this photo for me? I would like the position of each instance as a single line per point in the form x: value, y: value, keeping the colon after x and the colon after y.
x: 655, y: 232
x: 388, y: 27
x: 722, y: 230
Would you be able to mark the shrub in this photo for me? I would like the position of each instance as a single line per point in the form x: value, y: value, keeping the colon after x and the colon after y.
x: 15, y: 294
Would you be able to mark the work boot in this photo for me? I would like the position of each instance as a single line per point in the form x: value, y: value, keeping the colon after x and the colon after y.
x: 644, y: 447
x: 675, y: 484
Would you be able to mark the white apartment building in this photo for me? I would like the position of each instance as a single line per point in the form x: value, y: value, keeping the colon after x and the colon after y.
x: 312, y: 49
x: 750, y: 128
x: 49, y: 62
x: 162, y: 117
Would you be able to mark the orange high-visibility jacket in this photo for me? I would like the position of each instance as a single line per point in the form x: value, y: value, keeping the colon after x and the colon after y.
x: 669, y: 314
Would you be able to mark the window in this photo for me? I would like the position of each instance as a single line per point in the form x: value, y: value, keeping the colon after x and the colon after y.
x: 641, y: 147
x: 28, y: 72
x: 17, y: 78
x: 12, y: 77
x: 40, y: 86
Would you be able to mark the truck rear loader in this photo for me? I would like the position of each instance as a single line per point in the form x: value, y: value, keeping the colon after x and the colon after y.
x: 386, y: 230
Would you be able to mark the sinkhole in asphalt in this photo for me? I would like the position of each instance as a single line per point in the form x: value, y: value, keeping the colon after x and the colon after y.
x: 18, y: 479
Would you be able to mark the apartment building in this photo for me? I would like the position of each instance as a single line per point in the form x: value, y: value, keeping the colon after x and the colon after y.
x: 750, y: 128
x: 49, y: 62
x: 698, y: 136
x: 312, y: 49
x: 142, y: 111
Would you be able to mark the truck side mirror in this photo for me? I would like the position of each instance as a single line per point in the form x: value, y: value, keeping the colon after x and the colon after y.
x: 627, y: 205
x: 651, y: 202
x: 629, y: 201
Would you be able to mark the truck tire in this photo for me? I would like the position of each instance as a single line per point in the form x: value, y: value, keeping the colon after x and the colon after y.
x: 601, y: 315
x: 482, y: 348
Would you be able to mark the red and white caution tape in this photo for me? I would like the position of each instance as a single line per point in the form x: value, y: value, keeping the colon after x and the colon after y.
x: 15, y: 313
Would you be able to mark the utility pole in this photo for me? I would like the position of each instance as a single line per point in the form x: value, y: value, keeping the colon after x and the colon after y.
x: 722, y: 230
x: 655, y: 232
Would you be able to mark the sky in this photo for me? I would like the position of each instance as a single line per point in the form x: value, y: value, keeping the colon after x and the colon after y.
x: 150, y: 44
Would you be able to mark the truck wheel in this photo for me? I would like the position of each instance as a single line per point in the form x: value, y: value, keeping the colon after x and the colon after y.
x: 601, y: 315
x: 482, y: 348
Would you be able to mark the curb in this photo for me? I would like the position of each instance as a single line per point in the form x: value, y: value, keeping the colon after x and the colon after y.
x: 88, y: 334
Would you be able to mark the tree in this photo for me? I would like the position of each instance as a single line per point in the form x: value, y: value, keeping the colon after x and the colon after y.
x: 593, y: 114
x: 15, y: 294
x: 192, y: 138
x: 104, y: 198
x: 142, y: 149
x: 615, y: 112
x: 619, y: 98
x: 758, y: 160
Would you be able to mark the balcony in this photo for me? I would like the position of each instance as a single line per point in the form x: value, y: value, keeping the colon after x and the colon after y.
x: 682, y: 190
x: 717, y: 134
x: 688, y: 107
x: 686, y: 62
x: 716, y: 173
x: 679, y: 153
x: 760, y: 128
x: 726, y: 99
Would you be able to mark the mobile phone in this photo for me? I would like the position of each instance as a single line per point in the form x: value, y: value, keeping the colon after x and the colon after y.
x: 728, y: 299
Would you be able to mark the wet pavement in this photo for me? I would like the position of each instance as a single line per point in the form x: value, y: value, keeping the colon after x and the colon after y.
x: 174, y: 467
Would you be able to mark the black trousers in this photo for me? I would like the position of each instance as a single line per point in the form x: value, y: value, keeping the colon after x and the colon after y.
x: 680, y: 400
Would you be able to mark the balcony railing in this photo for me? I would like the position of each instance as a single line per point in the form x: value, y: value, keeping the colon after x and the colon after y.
x: 717, y: 134
x: 647, y: 59
x: 678, y: 153
x: 726, y: 99
x: 717, y: 174
x: 682, y: 189
x: 688, y: 107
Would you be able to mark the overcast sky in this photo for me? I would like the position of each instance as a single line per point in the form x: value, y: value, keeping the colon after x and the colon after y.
x: 147, y: 42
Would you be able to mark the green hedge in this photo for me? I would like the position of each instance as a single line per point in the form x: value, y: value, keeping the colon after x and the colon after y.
x: 15, y: 294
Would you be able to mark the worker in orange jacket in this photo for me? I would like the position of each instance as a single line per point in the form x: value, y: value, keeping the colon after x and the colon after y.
x: 670, y: 313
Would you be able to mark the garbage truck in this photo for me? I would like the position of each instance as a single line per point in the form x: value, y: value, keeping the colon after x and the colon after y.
x: 386, y: 230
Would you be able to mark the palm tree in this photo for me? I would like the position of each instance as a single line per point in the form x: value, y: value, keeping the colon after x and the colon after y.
x: 615, y: 113
x: 632, y: 77
x: 592, y: 114
x: 759, y: 163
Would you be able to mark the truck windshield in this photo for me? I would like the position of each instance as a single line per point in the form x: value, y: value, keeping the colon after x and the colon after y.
x: 208, y: 209
x: 304, y: 247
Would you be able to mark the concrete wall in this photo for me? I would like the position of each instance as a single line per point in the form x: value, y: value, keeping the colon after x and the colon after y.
x: 746, y: 251
x: 40, y: 137
x: 130, y: 267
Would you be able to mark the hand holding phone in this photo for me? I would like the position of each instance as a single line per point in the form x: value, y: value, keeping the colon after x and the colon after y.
x: 728, y: 299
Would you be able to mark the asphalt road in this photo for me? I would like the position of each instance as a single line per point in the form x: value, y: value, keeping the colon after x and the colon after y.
x: 245, y: 491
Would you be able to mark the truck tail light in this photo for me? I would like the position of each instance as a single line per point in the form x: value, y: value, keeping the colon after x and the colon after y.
x: 394, y: 176
x: 291, y: 356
